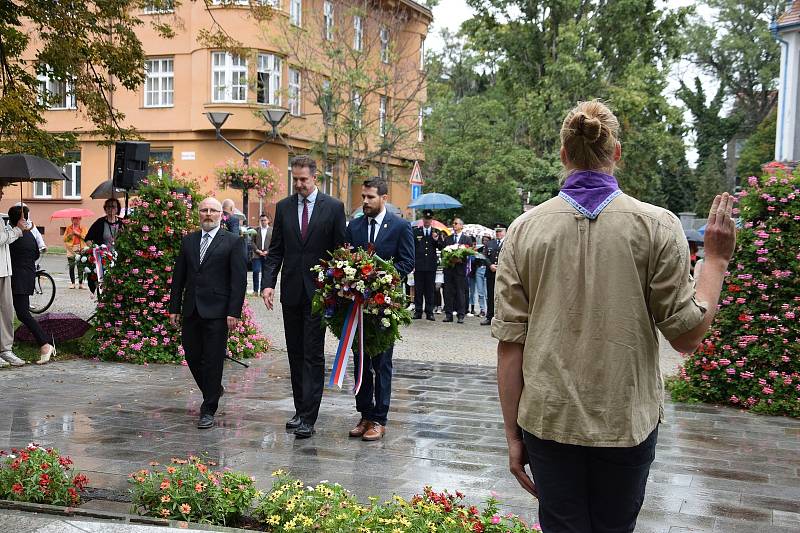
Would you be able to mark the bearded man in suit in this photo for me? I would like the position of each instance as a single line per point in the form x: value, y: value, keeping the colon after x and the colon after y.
x: 308, y: 226
x: 208, y: 287
x: 393, y: 240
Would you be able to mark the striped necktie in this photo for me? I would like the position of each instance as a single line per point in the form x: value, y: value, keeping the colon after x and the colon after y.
x: 204, y: 246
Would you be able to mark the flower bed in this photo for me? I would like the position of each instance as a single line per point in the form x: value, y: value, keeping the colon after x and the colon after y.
x: 39, y: 475
x: 188, y: 489
x: 751, y: 356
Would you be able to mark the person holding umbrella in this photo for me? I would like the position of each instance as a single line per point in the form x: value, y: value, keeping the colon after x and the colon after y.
x: 74, y: 241
x: 24, y: 253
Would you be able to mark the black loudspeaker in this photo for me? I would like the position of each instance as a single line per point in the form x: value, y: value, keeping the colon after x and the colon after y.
x: 130, y: 164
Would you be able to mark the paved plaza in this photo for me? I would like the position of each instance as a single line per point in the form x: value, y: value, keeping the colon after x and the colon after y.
x: 716, y: 469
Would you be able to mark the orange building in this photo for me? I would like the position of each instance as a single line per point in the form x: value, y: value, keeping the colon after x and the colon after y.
x: 186, y: 79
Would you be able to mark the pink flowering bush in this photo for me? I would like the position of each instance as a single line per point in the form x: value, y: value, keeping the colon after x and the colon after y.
x: 266, y: 180
x: 132, y: 320
x: 751, y: 356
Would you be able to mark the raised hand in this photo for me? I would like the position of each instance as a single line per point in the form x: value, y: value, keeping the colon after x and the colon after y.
x: 720, y: 235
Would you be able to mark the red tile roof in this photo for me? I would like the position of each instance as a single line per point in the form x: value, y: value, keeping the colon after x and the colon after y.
x: 790, y: 16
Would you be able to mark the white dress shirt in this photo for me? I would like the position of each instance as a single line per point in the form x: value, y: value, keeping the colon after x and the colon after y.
x: 379, y: 220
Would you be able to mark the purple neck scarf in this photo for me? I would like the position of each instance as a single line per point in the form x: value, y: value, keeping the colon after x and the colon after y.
x: 589, y: 192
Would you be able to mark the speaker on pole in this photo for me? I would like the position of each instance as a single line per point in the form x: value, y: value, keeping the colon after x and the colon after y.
x: 130, y: 163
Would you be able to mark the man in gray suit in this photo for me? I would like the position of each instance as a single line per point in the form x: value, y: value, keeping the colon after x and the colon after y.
x: 261, y: 242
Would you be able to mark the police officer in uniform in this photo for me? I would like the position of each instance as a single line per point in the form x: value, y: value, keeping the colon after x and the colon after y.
x: 427, y: 240
x: 492, y: 253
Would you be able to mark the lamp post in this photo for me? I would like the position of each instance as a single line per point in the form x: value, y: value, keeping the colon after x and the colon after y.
x: 274, y: 116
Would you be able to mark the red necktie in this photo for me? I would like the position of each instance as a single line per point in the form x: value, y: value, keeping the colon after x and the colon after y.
x: 304, y: 223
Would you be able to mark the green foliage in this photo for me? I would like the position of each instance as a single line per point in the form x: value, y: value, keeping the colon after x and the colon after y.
x: 499, y: 98
x: 38, y: 475
x: 759, y: 149
x: 751, y: 357
x: 290, y: 506
x: 189, y: 490
x: 709, y: 182
x: 132, y: 320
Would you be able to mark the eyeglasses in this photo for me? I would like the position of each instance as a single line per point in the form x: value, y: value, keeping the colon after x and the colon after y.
x: 208, y: 211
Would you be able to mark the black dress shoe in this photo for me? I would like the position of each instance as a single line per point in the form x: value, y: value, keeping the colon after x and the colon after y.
x: 461, y: 320
x: 294, y: 422
x: 448, y: 319
x: 486, y: 322
x: 417, y: 316
x: 206, y: 421
x: 430, y: 317
x: 304, y: 431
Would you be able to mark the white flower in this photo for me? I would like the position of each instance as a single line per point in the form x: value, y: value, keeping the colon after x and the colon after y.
x: 83, y: 259
x: 387, y: 279
x: 360, y: 286
x: 87, y: 269
x: 387, y: 300
x: 387, y: 311
x: 385, y: 322
x: 321, y: 276
x: 349, y: 272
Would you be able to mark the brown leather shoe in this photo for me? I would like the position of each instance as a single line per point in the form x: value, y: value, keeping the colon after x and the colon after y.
x: 359, y: 430
x: 374, y: 432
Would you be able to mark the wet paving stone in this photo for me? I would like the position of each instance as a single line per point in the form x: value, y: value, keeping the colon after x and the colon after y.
x: 716, y: 469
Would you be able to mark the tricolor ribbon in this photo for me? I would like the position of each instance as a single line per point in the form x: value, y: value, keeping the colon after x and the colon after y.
x: 352, y: 322
x: 98, y: 263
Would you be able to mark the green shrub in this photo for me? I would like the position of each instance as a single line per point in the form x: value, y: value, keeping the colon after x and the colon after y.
x: 38, y: 475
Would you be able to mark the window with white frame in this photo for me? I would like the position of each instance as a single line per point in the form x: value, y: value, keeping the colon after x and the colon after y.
x: 72, y: 186
x: 158, y: 8
x: 296, y: 12
x: 382, y: 117
x: 42, y: 189
x: 57, y: 94
x: 422, y: 54
x: 328, y: 14
x: 420, y: 135
x: 295, y: 94
x: 159, y: 86
x: 358, y: 112
x: 228, y: 77
x: 358, y: 33
x: 384, y: 35
x: 273, y: 3
x: 268, y: 88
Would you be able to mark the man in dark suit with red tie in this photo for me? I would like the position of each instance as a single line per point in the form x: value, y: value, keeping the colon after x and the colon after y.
x: 208, y: 286
x: 393, y: 240
x: 308, y: 225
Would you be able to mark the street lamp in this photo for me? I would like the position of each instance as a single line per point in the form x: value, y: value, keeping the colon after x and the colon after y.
x: 272, y: 115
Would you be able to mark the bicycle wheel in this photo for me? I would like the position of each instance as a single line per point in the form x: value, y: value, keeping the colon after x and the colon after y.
x: 44, y: 292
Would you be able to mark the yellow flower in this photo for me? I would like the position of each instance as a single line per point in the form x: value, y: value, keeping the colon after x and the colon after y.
x: 307, y: 521
x: 278, y: 473
x: 290, y: 506
x: 397, y: 530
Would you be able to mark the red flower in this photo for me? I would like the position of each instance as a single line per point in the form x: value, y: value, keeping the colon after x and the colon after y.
x: 16, y: 487
x: 477, y: 527
x: 80, y: 481
x: 338, y: 273
x: 380, y: 299
x: 366, y: 269
x: 44, y: 480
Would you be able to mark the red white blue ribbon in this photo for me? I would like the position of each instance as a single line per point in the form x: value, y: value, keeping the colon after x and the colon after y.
x: 352, y: 322
x: 98, y: 264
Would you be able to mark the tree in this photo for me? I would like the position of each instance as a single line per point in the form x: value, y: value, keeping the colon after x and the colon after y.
x: 759, y: 148
x: 750, y: 357
x: 367, y: 95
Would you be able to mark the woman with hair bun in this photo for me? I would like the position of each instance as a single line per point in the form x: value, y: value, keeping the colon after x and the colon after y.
x: 585, y: 281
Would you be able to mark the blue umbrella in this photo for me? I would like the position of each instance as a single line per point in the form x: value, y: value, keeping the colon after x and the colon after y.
x: 435, y: 200
x: 702, y: 229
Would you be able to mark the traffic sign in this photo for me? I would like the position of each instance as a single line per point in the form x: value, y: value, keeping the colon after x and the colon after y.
x: 416, y: 191
x: 416, y: 175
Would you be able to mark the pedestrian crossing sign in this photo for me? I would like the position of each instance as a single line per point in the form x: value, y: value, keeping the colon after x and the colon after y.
x: 416, y: 175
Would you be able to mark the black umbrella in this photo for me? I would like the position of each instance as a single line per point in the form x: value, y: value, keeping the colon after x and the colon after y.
x: 26, y: 167
x: 107, y: 190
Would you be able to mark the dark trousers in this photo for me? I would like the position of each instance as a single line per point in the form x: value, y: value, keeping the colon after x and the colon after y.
x: 373, y: 398
x: 583, y: 489
x: 205, y: 341
x: 22, y: 307
x: 455, y: 293
x: 72, y: 263
x: 258, y: 265
x: 424, y: 284
x: 490, y: 293
x: 305, y: 343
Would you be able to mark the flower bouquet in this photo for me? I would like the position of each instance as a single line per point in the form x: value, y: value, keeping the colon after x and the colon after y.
x: 359, y: 278
x: 454, y: 254
x: 93, y: 256
x: 264, y: 179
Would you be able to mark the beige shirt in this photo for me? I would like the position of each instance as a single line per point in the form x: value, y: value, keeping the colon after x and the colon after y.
x: 585, y: 297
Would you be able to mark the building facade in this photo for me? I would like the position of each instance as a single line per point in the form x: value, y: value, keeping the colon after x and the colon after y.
x: 187, y: 78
